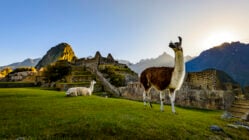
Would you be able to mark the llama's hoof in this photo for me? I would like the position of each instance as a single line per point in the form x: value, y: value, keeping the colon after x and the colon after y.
x: 175, y: 113
x: 145, y: 107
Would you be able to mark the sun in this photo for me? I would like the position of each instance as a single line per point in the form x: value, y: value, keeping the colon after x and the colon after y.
x: 218, y: 37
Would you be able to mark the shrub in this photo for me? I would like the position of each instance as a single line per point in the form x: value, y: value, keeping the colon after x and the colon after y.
x: 23, y: 69
x: 5, y: 71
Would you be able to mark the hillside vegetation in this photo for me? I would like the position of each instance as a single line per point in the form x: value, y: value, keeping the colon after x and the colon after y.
x: 33, y: 113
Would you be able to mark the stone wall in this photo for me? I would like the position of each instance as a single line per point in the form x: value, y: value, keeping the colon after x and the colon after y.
x: 202, y: 80
x: 199, y: 90
x: 197, y: 98
x: 204, y: 99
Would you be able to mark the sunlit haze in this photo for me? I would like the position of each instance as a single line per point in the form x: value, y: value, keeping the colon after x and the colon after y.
x: 128, y: 29
x: 218, y: 37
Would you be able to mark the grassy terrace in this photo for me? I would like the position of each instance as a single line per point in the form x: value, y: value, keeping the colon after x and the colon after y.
x: 16, y: 84
x: 33, y: 113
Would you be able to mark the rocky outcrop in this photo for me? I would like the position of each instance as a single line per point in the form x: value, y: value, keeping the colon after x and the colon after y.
x: 62, y: 51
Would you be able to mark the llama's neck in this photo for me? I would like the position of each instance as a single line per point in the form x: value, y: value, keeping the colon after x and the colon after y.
x: 179, y: 62
x: 91, y: 87
x: 179, y: 71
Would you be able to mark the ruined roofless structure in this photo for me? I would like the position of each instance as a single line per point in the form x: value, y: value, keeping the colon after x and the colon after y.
x: 97, y: 60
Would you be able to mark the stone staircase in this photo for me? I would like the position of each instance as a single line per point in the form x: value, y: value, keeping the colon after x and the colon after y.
x: 240, y: 109
x: 108, y: 87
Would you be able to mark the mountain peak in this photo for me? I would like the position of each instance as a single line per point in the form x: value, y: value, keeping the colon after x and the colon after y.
x: 229, y: 57
x: 62, y: 51
x: 162, y: 60
x: 25, y: 63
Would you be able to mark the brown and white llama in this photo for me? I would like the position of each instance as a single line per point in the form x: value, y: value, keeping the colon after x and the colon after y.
x: 165, y: 78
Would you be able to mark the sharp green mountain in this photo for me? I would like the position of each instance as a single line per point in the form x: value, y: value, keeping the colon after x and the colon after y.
x: 62, y: 51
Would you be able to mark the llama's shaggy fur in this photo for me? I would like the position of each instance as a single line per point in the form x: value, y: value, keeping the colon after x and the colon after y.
x: 81, y: 91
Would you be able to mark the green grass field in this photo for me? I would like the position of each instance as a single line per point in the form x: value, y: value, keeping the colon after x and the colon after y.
x: 32, y: 113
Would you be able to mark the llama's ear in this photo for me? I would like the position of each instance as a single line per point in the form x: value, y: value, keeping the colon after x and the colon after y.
x: 180, y: 40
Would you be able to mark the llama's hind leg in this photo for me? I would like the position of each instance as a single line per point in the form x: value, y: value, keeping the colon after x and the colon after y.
x: 149, y: 100
x: 147, y: 97
x: 162, y: 98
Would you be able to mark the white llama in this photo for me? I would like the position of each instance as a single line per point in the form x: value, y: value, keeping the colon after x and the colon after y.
x: 81, y: 91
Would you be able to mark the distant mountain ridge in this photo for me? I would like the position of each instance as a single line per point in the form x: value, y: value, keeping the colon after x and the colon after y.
x: 232, y: 58
x: 25, y: 63
x: 163, y: 60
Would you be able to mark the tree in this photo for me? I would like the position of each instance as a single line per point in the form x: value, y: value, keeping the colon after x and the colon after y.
x: 6, y: 71
x: 57, y: 71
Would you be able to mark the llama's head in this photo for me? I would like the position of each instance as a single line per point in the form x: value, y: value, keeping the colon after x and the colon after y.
x: 93, y: 82
x: 177, y: 46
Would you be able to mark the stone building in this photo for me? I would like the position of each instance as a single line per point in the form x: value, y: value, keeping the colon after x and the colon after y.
x: 210, y: 79
x: 202, y: 80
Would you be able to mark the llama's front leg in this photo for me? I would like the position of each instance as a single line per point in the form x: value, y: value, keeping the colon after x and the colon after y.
x: 162, y: 97
x: 172, y: 100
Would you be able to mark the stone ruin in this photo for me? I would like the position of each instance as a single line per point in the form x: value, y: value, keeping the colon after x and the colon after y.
x: 98, y: 59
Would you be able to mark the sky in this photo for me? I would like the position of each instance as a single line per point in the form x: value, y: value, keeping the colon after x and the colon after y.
x: 128, y: 29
